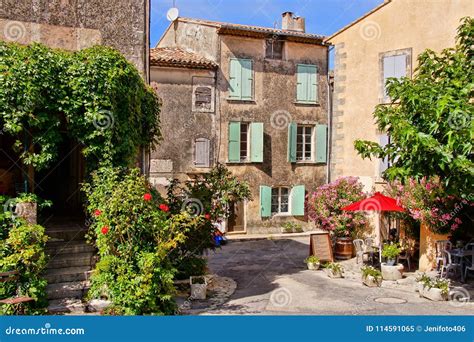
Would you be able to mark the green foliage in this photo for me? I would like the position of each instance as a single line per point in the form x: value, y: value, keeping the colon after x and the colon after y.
x: 437, y: 283
x: 335, y: 267
x: 391, y: 251
x: 292, y: 227
x: 312, y: 259
x: 95, y: 93
x: 372, y: 271
x: 23, y: 250
x: 430, y: 118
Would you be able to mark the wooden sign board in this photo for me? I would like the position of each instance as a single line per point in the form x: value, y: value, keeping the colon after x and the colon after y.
x: 320, y: 246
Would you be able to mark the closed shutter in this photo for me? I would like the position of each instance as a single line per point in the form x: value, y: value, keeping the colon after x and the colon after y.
x: 306, y: 83
x: 313, y: 84
x: 265, y: 201
x: 321, y: 138
x: 235, y: 79
x: 297, y: 200
x: 202, y: 155
x: 292, y: 142
x: 400, y: 66
x: 234, y: 142
x: 247, y: 79
x: 256, y: 142
x: 302, y: 83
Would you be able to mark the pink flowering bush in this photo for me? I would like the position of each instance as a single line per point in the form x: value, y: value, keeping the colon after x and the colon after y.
x: 324, y: 206
x: 427, y: 201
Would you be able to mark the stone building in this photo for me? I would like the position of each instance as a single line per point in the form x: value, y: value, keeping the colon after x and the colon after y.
x: 383, y: 43
x: 252, y: 98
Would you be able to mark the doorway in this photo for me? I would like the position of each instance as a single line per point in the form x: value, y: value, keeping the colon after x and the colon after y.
x: 236, y: 221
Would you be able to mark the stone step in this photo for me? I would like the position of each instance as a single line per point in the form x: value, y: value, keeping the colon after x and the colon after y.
x: 67, y: 274
x: 71, y: 232
x: 60, y: 247
x: 68, y: 290
x: 71, y: 260
x: 66, y: 306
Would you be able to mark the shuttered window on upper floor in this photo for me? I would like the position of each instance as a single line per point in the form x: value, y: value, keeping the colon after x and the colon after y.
x: 241, y: 79
x: 307, y: 83
x: 393, y: 67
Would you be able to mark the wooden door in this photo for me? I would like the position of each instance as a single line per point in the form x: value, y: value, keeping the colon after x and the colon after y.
x: 236, y: 221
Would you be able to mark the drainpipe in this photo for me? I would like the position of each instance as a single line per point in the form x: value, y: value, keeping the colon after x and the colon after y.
x: 329, y: 118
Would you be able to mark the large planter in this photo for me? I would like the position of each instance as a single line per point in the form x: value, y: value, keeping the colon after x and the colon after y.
x: 344, y: 248
x: 333, y: 274
x: 433, y: 294
x: 371, y: 281
x: 27, y: 211
x: 313, y: 265
x: 392, y: 272
x: 198, y: 287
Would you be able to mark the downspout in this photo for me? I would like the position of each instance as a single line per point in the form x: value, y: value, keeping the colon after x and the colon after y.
x: 145, y: 149
x: 329, y: 117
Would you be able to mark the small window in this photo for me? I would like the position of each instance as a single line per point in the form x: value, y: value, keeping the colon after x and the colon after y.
x: 395, y: 64
x: 241, y: 79
x: 280, y: 201
x: 244, y: 141
x: 306, y: 84
x: 203, y: 98
x: 273, y: 48
x: 304, y: 143
x: 202, y: 152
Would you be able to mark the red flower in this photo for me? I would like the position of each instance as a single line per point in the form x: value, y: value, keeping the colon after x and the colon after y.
x: 164, y: 207
x: 97, y: 212
x: 147, y: 197
x: 207, y: 216
x: 104, y: 230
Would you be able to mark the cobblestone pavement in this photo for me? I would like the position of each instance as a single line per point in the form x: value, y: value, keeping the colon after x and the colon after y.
x: 272, y: 279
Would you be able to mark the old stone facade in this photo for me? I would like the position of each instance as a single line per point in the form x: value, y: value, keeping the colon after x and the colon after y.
x: 76, y: 24
x: 252, y: 98
x: 383, y: 43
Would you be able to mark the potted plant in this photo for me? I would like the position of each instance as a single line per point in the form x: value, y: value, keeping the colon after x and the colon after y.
x: 26, y: 206
x: 198, y: 287
x: 391, y: 252
x: 312, y: 262
x: 334, y: 270
x: 435, y: 289
x: 371, y: 276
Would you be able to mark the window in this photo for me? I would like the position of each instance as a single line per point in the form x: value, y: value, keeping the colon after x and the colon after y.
x: 203, y: 94
x: 307, y: 143
x: 202, y: 152
x: 280, y: 201
x: 203, y: 98
x: 245, y: 142
x: 394, y: 64
x: 304, y: 143
x: 241, y: 79
x: 274, y: 48
x: 307, y: 84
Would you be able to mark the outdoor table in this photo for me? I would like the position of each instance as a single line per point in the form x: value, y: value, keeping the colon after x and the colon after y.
x: 462, y: 254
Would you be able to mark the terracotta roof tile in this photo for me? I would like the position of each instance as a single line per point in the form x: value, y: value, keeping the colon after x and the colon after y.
x: 176, y: 57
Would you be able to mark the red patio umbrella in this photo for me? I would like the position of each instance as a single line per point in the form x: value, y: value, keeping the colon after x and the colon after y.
x: 377, y: 202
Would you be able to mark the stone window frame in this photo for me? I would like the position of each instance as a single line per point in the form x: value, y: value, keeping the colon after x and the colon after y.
x: 209, y: 84
x: 408, y: 52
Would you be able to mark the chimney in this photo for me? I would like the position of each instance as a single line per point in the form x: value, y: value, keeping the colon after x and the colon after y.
x: 290, y: 22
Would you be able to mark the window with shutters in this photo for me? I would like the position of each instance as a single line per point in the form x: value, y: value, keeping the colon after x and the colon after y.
x: 304, y: 143
x: 307, y: 143
x: 393, y: 64
x: 245, y: 142
x: 280, y: 200
x: 274, y: 48
x: 203, y: 98
x: 306, y: 84
x: 202, y: 155
x: 241, y: 79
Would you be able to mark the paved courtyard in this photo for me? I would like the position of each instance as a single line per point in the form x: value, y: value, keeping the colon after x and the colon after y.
x: 272, y: 279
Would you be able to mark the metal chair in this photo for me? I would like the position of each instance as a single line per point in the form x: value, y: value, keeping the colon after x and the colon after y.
x: 448, y: 264
x: 469, y: 246
x: 469, y: 268
x: 360, y: 250
x: 441, y: 246
x: 370, y: 248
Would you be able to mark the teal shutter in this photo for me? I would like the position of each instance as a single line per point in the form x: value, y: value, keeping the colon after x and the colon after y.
x: 247, y: 79
x: 292, y: 142
x: 312, y: 84
x: 321, y: 138
x: 306, y: 83
x: 234, y: 142
x: 265, y: 201
x: 297, y: 200
x: 256, y: 142
x: 235, y: 79
x: 301, y: 83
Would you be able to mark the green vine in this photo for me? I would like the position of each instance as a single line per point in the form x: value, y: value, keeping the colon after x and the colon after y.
x: 95, y: 95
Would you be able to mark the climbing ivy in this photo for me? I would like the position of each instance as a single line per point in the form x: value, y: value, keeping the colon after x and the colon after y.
x: 95, y: 95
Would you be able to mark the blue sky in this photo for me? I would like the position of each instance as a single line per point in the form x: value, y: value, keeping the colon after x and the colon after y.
x: 322, y: 16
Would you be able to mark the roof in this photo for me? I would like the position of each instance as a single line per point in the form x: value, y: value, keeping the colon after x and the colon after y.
x: 176, y: 57
x: 257, y: 31
x: 386, y: 2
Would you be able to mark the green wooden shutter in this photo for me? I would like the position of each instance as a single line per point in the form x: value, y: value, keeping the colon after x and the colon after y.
x: 256, y: 142
x: 235, y: 79
x: 265, y: 201
x: 321, y: 138
x: 297, y: 200
x: 312, y: 83
x: 234, y: 142
x: 247, y: 79
x: 301, y: 83
x: 292, y: 142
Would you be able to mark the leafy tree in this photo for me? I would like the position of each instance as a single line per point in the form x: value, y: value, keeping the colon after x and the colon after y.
x: 430, y: 118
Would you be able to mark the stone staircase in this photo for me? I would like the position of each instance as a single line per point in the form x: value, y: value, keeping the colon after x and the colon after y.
x: 71, y: 260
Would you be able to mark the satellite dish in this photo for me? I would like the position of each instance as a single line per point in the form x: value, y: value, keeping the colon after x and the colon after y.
x: 172, y: 14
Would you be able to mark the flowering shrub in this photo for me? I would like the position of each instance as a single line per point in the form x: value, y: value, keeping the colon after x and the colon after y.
x: 324, y: 206
x: 427, y: 201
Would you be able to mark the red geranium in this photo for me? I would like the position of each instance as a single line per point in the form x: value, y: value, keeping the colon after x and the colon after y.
x: 164, y: 207
x: 207, y: 216
x: 97, y: 212
x: 147, y: 197
x: 104, y: 230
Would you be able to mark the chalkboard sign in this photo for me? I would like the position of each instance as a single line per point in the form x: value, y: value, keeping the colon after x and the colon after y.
x: 320, y: 246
